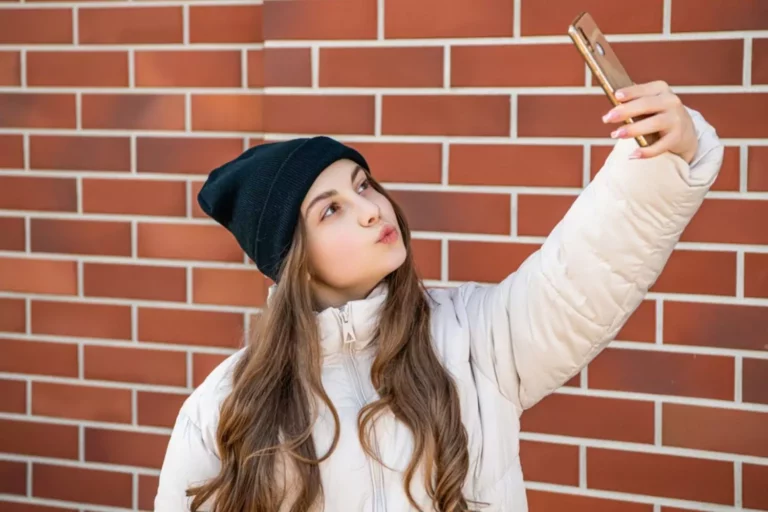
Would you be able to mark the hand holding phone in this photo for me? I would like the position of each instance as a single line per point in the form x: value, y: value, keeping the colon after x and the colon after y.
x: 651, y: 112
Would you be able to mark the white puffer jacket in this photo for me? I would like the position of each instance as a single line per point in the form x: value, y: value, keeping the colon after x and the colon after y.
x: 507, y: 345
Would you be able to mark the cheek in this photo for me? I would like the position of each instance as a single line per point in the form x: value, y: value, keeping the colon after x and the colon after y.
x: 333, y: 250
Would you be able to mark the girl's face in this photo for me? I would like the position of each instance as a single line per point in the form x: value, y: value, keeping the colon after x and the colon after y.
x: 353, y: 237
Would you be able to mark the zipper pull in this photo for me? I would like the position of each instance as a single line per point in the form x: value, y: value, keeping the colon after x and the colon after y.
x: 346, y: 326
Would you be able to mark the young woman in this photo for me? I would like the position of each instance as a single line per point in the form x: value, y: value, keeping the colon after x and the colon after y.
x: 359, y: 390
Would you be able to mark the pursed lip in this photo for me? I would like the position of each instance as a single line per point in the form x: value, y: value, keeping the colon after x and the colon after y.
x: 385, y: 232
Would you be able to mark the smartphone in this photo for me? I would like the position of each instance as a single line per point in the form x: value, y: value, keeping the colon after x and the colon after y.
x: 605, y: 64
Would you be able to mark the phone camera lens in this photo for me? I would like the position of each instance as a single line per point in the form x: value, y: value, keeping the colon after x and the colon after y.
x: 600, y: 49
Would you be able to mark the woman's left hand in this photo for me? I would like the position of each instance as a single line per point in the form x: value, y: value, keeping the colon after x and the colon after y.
x: 667, y: 116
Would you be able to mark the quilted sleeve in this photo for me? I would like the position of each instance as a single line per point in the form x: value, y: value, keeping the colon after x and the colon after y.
x: 543, y: 323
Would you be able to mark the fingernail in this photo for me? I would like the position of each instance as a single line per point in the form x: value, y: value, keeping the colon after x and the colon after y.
x: 609, y: 116
x: 634, y: 155
x: 619, y: 95
x: 618, y: 133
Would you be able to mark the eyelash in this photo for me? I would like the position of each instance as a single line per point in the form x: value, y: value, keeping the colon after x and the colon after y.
x: 366, y: 184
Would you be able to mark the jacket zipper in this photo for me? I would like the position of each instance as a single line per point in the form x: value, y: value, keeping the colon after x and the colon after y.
x: 377, y: 475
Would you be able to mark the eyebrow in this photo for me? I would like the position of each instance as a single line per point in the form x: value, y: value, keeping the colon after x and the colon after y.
x: 333, y: 192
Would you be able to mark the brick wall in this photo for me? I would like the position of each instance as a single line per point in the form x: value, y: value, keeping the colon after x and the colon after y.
x: 117, y: 296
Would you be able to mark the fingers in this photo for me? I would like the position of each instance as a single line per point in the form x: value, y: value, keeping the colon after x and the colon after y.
x: 653, y: 124
x: 639, y: 106
x: 646, y: 89
x: 659, y: 147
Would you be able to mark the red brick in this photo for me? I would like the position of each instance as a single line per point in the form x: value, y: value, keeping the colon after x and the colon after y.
x: 38, y: 276
x: 225, y: 24
x: 190, y: 327
x: 516, y: 165
x: 139, y: 365
x: 39, y: 439
x: 334, y: 114
x: 641, y: 325
x: 10, y: 68
x: 125, y: 448
x: 562, y: 115
x: 12, y: 236
x: 729, y: 178
x: 756, y: 275
x: 77, y: 69
x: 715, y: 325
x: 427, y: 258
x: 40, y: 358
x: 734, y: 115
x: 713, y: 62
x: 187, y: 155
x: 81, y: 402
x: 135, y: 282
x: 12, y: 315
x: 405, y: 162
x: 82, y: 485
x: 754, y: 491
x: 381, y: 67
x: 553, y: 18
x: 757, y: 169
x: 730, y: 221
x: 41, y: 194
x: 591, y: 417
x: 449, y: 115
x: 33, y: 110
x: 760, y: 61
x: 701, y: 428
x: 158, y: 409
x: 227, y: 112
x: 500, y: 66
x: 147, y: 491
x: 36, y: 26
x: 81, y: 319
x: 133, y: 111
x: 329, y: 19
x: 700, y: 272
x: 135, y: 197
x: 13, y: 398
x: 131, y: 25
x: 79, y: 153
x: 551, y: 463
x: 755, y: 380
x: 187, y: 242
x: 485, y: 261
x: 719, y: 15
x: 197, y: 212
x: 11, y: 152
x: 451, y: 18
x: 13, y: 477
x: 668, y: 476
x: 456, y: 212
x: 190, y: 68
x: 280, y: 67
x: 203, y: 365
x: 541, y: 501
x: 69, y: 236
x: 693, y: 375
x: 228, y: 287
x: 14, y: 506
x: 537, y: 215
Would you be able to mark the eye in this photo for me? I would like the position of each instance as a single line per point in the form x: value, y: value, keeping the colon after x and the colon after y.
x: 332, y: 208
x: 364, y: 185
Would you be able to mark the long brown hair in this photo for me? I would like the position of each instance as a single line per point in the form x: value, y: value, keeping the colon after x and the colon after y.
x: 268, y: 417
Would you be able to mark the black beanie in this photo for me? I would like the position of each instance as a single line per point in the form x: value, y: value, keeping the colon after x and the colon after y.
x: 258, y: 195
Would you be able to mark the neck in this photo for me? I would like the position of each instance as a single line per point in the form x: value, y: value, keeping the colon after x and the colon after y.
x: 329, y: 297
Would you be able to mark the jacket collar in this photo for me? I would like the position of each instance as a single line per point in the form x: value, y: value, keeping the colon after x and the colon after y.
x: 351, y: 326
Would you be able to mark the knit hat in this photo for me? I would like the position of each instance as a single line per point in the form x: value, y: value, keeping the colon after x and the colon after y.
x: 258, y: 195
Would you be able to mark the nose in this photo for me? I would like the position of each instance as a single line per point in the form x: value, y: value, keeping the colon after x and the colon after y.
x: 369, y: 212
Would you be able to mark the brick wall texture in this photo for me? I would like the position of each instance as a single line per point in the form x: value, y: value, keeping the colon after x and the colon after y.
x: 118, y: 296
